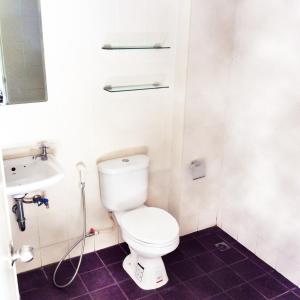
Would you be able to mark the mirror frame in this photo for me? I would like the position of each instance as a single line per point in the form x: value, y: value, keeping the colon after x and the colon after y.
x: 3, y: 80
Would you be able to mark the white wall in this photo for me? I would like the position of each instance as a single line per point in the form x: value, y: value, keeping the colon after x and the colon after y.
x: 83, y: 122
x: 8, y: 276
x: 210, y: 52
x: 260, y: 185
x: 242, y: 116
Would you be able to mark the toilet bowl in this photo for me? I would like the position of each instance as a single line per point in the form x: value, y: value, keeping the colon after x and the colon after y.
x: 149, y: 232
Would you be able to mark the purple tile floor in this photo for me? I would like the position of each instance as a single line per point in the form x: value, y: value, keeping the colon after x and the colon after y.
x: 197, y: 270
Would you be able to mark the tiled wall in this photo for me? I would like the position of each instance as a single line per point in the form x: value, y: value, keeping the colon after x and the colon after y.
x: 83, y: 122
x: 22, y: 50
x: 260, y: 184
x: 8, y: 276
x: 242, y: 116
x: 210, y: 51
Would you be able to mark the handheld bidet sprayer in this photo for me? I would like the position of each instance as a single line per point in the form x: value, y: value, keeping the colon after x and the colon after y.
x: 82, y: 174
x: 81, y: 167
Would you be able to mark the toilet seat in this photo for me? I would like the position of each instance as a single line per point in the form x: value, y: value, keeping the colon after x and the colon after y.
x: 149, y: 226
x: 156, y: 247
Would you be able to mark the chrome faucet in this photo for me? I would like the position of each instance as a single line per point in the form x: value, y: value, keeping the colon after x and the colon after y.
x: 44, y: 154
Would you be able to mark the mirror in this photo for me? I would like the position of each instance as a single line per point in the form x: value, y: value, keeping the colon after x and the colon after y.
x: 22, y: 69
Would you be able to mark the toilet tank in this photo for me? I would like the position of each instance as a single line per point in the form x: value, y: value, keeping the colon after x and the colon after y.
x: 124, y: 182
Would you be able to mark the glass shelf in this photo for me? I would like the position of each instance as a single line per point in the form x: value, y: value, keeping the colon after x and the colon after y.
x: 137, y: 87
x: 154, y: 47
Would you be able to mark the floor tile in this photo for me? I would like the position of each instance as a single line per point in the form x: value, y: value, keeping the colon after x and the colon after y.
x: 220, y: 297
x: 297, y: 291
x: 89, y: 262
x: 177, y: 292
x: 247, y: 269
x: 246, y: 252
x: 155, y: 296
x: 191, y: 262
x: 171, y: 282
x: 245, y: 292
x: 125, y: 247
x: 52, y: 293
x: 185, y: 270
x: 268, y: 286
x: 83, y: 297
x: 203, y: 287
x: 31, y: 280
x: 109, y: 293
x: 191, y: 247
x: 112, y: 254
x: 264, y: 266
x: 230, y: 256
x: 43, y: 293
x: 76, y: 288
x: 208, y: 262
x: 65, y: 270
x: 226, y: 237
x: 288, y: 296
x: 173, y: 257
x: 209, y: 241
x: 190, y: 236
x: 284, y: 281
x: 132, y: 291
x: 118, y: 271
x: 97, y: 279
x: 226, y: 278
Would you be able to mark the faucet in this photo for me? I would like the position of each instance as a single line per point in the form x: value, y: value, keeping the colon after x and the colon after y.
x: 44, y: 154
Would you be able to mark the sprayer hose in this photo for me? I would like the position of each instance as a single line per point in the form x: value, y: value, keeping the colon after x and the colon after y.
x: 82, y: 239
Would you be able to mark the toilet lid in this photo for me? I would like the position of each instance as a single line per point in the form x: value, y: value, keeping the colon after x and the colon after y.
x: 150, y: 225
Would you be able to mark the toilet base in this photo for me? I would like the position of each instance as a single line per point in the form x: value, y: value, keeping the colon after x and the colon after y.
x: 147, y: 273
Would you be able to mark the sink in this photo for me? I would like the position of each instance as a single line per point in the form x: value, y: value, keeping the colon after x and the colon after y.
x: 29, y: 174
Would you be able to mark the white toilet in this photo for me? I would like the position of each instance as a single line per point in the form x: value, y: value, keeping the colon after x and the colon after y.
x: 150, y: 232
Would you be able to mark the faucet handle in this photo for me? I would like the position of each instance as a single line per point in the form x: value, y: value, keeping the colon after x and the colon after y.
x: 44, y: 153
x: 44, y: 146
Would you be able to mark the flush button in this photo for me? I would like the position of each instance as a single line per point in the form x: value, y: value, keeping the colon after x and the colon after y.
x: 125, y: 160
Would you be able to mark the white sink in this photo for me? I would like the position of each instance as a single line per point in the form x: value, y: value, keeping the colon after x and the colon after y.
x: 27, y: 174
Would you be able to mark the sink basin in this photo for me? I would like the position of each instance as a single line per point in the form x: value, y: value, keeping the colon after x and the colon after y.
x: 27, y: 174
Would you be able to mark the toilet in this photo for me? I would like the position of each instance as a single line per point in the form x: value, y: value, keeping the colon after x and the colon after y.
x: 149, y: 232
